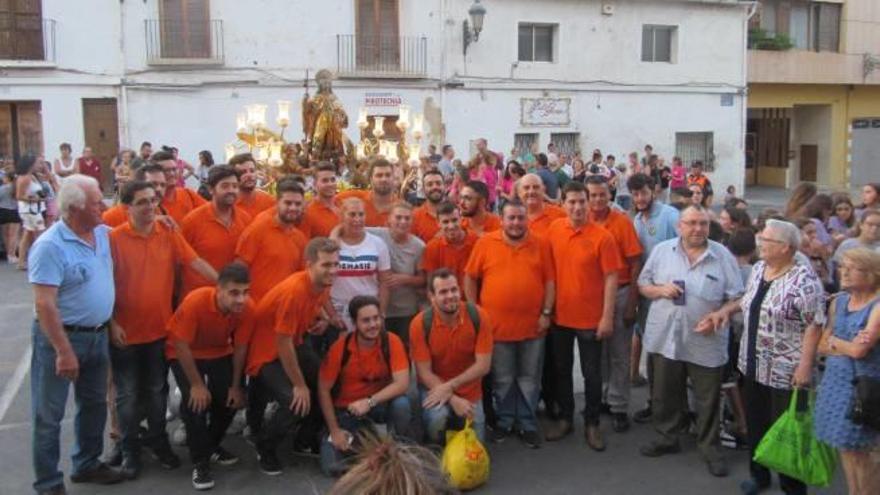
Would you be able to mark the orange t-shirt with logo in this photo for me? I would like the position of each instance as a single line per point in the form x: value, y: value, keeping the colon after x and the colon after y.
x: 373, y: 217
x: 582, y: 257
x: 366, y: 371
x: 260, y: 202
x: 210, y: 333
x: 454, y: 349
x: 214, y: 241
x: 439, y: 253
x: 143, y: 273
x: 424, y: 225
x: 490, y: 224
x: 540, y: 224
x: 181, y: 203
x: 290, y: 308
x: 271, y: 251
x: 116, y: 215
x: 619, y: 225
x: 512, y: 281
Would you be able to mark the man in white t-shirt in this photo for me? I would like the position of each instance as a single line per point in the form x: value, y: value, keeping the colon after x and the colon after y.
x: 364, y: 264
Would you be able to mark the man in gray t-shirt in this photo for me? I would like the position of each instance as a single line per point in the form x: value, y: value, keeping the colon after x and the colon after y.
x: 407, y: 280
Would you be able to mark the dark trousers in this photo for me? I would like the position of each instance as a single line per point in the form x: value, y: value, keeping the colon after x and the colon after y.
x: 669, y: 399
x: 205, y: 430
x: 275, y: 386
x: 561, y: 342
x: 140, y: 374
x: 764, y: 405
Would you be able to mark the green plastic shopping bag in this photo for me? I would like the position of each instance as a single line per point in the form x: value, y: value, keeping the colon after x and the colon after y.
x: 790, y: 447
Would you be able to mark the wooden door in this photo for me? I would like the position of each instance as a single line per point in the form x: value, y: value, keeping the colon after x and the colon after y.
x: 809, y: 162
x: 377, y: 43
x: 21, y: 129
x: 102, y: 133
x: 21, y: 30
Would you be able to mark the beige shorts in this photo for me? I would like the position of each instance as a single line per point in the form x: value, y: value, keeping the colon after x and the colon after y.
x: 33, y: 222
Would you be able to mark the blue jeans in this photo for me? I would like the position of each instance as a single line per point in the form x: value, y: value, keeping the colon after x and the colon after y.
x: 396, y: 415
x: 441, y: 418
x: 516, y: 371
x: 49, y: 395
x: 140, y: 374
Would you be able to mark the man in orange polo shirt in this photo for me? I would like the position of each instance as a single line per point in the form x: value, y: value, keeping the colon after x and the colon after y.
x: 271, y: 246
x: 145, y: 255
x: 453, y: 247
x: 451, y: 346
x: 207, y: 347
x: 178, y: 202
x: 213, y: 229
x: 284, y: 368
x: 530, y: 190
x: 322, y: 214
x: 587, y: 262
x: 425, y: 224
x: 381, y: 196
x: 510, y: 275
x: 617, y: 349
x: 250, y: 199
x: 152, y: 173
x: 473, y: 201
x: 363, y: 380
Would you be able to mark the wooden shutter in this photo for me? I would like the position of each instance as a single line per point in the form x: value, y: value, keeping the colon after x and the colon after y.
x: 783, y: 18
x: 828, y: 34
x: 377, y: 34
x: 21, y: 30
x: 185, y: 28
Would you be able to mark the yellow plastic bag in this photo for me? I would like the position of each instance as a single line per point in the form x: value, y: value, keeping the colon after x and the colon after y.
x: 465, y: 459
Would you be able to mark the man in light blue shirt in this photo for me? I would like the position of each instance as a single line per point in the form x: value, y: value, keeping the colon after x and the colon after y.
x: 692, y: 282
x: 71, y: 272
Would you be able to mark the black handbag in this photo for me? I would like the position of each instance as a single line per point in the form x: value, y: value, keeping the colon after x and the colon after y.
x: 864, y: 409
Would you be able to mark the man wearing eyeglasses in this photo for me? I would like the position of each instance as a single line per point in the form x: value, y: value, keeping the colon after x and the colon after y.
x: 178, y: 201
x: 693, y: 283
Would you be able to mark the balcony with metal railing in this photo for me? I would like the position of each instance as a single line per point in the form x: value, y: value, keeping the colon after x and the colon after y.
x: 404, y: 57
x: 174, y: 42
x: 27, y: 42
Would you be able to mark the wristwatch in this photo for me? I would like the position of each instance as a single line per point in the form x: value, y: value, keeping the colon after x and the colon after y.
x: 371, y: 402
x: 546, y: 312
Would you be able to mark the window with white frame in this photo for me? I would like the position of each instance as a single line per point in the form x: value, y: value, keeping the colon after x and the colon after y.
x: 536, y: 42
x: 658, y: 43
x: 693, y: 146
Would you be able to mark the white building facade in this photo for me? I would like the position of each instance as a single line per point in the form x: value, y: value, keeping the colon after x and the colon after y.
x: 584, y: 74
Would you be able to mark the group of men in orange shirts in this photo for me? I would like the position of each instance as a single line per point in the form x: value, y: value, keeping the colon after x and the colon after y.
x: 234, y: 296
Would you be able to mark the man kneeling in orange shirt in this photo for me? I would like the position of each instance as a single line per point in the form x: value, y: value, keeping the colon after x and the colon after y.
x: 363, y: 380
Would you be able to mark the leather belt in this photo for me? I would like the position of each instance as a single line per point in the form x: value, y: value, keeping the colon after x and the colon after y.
x: 82, y: 329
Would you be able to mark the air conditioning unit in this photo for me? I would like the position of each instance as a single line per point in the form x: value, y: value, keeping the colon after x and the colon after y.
x: 607, y: 9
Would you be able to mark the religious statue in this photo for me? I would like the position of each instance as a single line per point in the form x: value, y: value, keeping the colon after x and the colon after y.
x: 324, y: 119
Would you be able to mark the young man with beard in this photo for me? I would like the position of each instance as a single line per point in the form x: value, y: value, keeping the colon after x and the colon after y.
x: 283, y: 368
x: 452, y: 248
x: 271, y: 246
x: 655, y: 222
x: 178, y: 202
x: 322, y: 214
x: 425, y: 224
x: 380, y: 198
x: 363, y: 380
x: 587, y: 261
x: 473, y: 201
x: 213, y: 229
x: 146, y: 254
x: 405, y: 251
x: 364, y: 265
x: 510, y: 274
x: 530, y: 190
x: 617, y: 349
x: 452, y: 351
x: 207, y: 348
x: 250, y: 199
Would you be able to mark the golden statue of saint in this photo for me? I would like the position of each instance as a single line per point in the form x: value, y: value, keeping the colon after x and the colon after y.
x: 323, y: 120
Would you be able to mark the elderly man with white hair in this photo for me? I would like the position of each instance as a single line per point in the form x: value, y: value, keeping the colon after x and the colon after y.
x: 784, y: 312
x: 71, y: 272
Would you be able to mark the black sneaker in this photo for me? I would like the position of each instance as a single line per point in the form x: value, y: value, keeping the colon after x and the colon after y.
x: 269, y: 463
x: 101, y: 474
x: 619, y: 422
x: 643, y: 416
x: 202, y: 479
x: 531, y: 438
x: 499, y: 435
x: 166, y: 457
x: 223, y: 457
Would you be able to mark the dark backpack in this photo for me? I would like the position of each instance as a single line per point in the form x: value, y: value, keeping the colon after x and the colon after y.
x: 346, y: 355
x: 428, y: 321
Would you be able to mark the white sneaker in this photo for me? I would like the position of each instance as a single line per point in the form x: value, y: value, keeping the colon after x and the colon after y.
x: 12, y: 260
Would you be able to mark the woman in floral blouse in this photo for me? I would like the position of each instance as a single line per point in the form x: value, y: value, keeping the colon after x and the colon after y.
x: 784, y: 312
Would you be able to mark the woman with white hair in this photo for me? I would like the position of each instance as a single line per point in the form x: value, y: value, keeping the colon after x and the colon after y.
x: 783, y: 311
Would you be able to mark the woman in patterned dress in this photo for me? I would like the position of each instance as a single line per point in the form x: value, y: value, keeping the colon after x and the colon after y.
x: 850, y: 342
x: 783, y: 314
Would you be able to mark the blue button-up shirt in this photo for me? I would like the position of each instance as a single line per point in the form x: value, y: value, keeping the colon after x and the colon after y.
x: 713, y: 279
x: 660, y: 224
x: 82, y: 273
